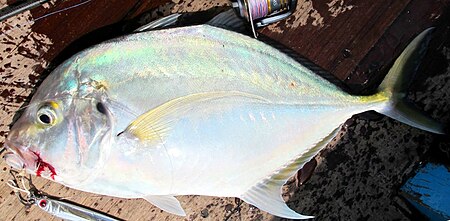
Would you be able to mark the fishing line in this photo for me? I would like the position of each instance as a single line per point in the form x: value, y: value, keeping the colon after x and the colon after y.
x: 258, y: 8
x: 29, y: 195
x: 78, y: 197
x: 64, y: 9
x: 32, y: 21
x: 16, y: 188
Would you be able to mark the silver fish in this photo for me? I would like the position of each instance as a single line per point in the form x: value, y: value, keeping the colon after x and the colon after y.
x: 191, y: 111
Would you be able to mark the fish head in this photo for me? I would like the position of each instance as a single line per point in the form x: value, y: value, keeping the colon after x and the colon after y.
x: 64, y: 132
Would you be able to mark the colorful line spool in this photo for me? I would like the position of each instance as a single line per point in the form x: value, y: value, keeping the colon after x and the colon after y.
x: 261, y: 13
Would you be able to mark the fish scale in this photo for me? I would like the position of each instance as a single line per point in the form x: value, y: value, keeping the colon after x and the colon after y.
x: 204, y: 59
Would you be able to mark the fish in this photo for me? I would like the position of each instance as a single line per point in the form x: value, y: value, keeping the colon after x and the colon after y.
x: 196, y: 110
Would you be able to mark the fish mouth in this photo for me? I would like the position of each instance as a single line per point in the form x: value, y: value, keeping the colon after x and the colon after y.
x: 16, y: 158
x: 28, y: 160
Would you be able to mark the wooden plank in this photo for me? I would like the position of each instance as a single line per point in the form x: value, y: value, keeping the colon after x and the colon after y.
x: 416, y: 17
x: 86, y: 17
x: 357, y: 39
x: 354, y: 25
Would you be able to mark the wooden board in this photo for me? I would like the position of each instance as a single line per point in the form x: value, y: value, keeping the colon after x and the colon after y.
x: 354, y: 40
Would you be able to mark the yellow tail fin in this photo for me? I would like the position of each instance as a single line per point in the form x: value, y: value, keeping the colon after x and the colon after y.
x: 397, y: 81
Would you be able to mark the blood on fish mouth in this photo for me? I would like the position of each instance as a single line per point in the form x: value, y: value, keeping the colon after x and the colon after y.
x: 41, y: 165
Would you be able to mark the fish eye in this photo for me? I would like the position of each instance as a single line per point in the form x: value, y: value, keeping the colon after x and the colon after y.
x: 46, y: 115
x: 44, y: 118
x: 101, y: 108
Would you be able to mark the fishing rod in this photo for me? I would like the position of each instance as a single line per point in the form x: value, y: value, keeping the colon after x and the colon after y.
x: 11, y: 11
x: 259, y: 13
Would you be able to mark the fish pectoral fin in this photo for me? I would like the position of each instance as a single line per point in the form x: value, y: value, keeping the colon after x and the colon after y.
x: 266, y: 195
x: 167, y: 203
x: 155, y: 124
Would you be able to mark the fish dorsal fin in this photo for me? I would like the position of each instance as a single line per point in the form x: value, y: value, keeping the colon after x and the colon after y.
x: 156, y: 123
x: 230, y: 21
x: 167, y: 203
x: 159, y: 23
x: 266, y: 195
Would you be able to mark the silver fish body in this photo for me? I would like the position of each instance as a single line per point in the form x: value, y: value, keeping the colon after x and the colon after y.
x: 259, y: 99
x: 193, y: 110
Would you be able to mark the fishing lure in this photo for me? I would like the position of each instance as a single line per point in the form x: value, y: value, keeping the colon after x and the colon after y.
x: 58, y: 208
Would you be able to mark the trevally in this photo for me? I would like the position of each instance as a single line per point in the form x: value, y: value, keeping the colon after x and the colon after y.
x: 194, y: 110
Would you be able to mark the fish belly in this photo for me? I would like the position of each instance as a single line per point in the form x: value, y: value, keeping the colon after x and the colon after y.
x: 225, y: 150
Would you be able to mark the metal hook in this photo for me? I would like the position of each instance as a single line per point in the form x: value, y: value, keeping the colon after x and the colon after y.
x: 30, y: 191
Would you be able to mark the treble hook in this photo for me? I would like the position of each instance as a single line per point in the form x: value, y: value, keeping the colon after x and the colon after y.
x: 61, y: 209
x: 30, y: 191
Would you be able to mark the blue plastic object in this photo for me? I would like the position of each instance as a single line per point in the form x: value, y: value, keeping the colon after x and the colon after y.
x: 429, y: 191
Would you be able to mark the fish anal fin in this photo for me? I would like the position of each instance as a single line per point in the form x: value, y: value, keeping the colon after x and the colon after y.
x: 167, y: 203
x: 266, y: 195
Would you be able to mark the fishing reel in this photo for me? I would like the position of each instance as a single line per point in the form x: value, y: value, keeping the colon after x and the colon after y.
x: 261, y: 13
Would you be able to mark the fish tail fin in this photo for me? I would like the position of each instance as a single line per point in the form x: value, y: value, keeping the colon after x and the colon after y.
x: 396, y: 82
